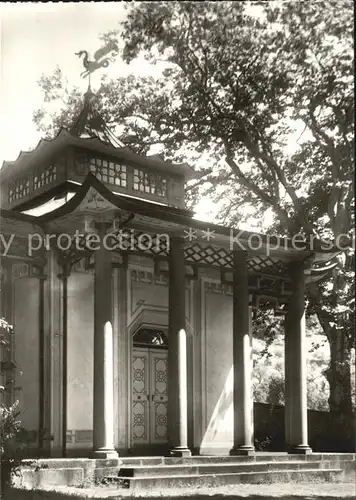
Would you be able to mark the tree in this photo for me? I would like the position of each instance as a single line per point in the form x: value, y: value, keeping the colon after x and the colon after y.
x: 9, y: 424
x: 268, y: 366
x: 240, y: 78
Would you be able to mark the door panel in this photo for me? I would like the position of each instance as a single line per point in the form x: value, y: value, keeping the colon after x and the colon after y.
x: 159, y: 396
x: 149, y: 396
x: 140, y: 394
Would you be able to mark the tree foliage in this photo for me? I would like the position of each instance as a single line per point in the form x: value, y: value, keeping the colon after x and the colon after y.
x: 241, y: 79
x: 268, y: 369
x: 9, y: 423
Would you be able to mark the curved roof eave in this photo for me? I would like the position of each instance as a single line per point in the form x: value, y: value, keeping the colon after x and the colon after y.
x: 64, y: 138
x: 179, y: 216
x: 20, y: 217
x: 25, y: 158
x: 139, y: 206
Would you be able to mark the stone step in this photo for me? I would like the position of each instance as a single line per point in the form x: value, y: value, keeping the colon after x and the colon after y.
x: 212, y: 480
x: 259, y: 457
x: 32, y: 479
x: 79, y: 472
x: 216, y: 468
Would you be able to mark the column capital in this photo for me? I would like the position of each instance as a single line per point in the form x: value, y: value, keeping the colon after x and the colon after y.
x: 237, y: 252
x: 177, y: 239
x: 240, y: 261
x: 297, y: 267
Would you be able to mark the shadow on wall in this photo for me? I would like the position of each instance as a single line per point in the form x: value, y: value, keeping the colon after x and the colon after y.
x: 219, y: 432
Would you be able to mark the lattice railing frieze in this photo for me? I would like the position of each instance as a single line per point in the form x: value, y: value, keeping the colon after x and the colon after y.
x: 196, y: 254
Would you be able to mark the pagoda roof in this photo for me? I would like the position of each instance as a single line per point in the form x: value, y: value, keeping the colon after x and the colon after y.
x: 89, y: 131
x: 47, y: 148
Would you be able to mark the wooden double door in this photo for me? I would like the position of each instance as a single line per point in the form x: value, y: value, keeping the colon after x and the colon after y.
x: 149, y: 396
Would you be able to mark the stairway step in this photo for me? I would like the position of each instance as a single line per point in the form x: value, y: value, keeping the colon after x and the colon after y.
x: 212, y: 480
x: 217, y: 468
x: 201, y: 459
x: 31, y: 478
x: 258, y: 457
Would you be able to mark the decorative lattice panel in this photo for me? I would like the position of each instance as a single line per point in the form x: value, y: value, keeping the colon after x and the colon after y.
x: 19, y: 189
x: 266, y: 265
x: 158, y: 245
x: 45, y: 177
x: 109, y: 171
x: 149, y: 183
x: 209, y: 256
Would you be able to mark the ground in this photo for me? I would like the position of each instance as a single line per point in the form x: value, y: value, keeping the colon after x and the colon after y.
x: 301, y: 491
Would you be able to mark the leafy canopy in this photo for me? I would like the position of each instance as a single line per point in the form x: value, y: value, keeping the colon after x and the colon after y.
x: 259, y: 97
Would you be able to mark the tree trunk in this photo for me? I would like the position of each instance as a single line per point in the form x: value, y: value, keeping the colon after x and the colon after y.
x: 338, y: 374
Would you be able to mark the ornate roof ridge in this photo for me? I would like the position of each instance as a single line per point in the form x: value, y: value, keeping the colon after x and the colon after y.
x: 90, y: 121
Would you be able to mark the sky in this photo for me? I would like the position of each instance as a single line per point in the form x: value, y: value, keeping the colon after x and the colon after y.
x: 35, y: 38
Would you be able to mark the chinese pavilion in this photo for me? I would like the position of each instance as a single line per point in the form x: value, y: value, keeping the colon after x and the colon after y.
x: 132, y: 319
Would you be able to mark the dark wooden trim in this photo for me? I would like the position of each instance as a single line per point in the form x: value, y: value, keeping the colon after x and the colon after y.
x: 36, y: 201
x: 135, y: 205
x: 14, y: 214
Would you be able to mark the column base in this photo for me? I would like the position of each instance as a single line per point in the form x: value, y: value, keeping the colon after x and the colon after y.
x: 245, y: 450
x: 180, y: 452
x: 300, y: 449
x: 105, y: 453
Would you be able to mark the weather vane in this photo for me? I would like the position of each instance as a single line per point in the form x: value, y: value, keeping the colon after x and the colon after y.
x: 99, y: 61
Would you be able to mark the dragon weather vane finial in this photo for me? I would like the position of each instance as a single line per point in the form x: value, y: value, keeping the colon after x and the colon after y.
x: 99, y: 60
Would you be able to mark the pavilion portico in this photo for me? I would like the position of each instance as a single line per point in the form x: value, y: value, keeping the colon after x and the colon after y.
x: 182, y: 257
x: 108, y: 205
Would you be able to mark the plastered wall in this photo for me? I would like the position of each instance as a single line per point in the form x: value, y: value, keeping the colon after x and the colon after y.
x: 217, y: 375
x: 80, y: 359
x: 26, y: 324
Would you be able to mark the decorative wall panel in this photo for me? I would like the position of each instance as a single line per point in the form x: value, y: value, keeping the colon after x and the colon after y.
x: 140, y: 395
x: 159, y: 396
x: 216, y: 327
x: 80, y: 351
x: 149, y: 396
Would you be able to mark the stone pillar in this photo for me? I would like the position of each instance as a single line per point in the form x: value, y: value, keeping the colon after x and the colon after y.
x: 296, y: 418
x: 242, y: 360
x: 103, y: 426
x: 177, y: 353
